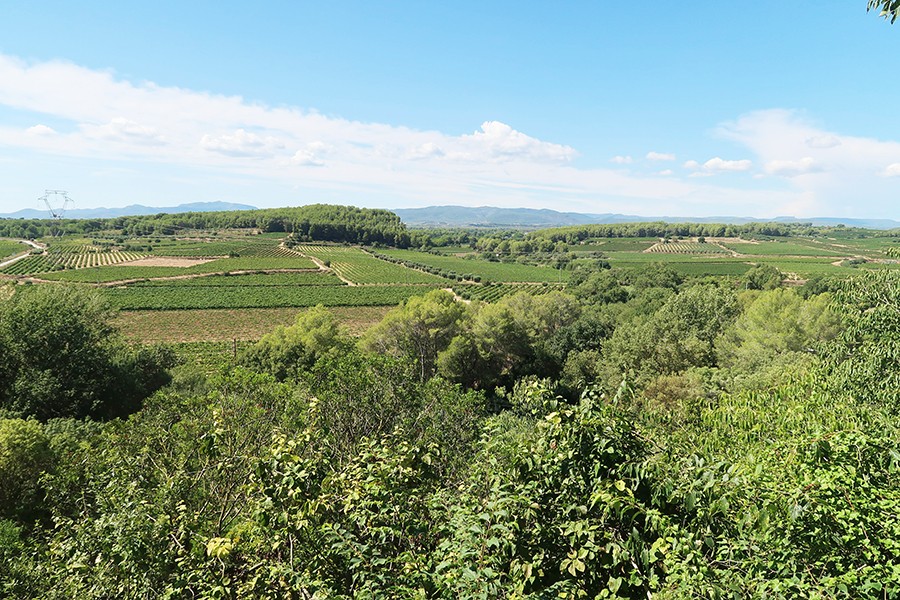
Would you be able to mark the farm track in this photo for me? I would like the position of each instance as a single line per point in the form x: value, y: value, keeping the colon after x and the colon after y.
x: 23, y: 255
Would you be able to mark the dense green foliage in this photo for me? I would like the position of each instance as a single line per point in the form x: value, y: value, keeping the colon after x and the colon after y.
x: 639, y: 432
x: 319, y: 222
x: 59, y: 357
x: 180, y: 297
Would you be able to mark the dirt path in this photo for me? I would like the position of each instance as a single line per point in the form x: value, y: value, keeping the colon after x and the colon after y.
x: 322, y: 267
x: 23, y: 255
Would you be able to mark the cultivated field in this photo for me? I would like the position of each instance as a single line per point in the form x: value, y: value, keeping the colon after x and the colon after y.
x: 469, y: 268
x: 237, y: 287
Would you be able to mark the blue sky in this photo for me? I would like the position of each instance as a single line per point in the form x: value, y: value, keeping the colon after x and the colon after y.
x: 676, y: 108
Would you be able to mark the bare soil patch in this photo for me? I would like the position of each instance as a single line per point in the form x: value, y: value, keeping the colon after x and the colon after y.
x: 165, y: 261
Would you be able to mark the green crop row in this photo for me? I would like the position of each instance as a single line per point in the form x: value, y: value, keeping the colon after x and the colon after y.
x: 197, y: 297
x: 263, y: 248
x: 222, y: 265
x: 361, y: 267
x: 792, y: 248
x: 687, y: 248
x: 475, y: 269
x: 9, y: 248
x: 250, y: 280
x: 492, y: 293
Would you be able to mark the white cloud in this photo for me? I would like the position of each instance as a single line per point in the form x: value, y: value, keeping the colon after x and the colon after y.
x: 717, y: 164
x: 823, y: 141
x: 666, y: 172
x: 660, y: 156
x: 499, y: 141
x: 241, y: 143
x: 842, y: 170
x: 793, y: 168
x: 427, y: 150
x: 311, y: 155
x: 892, y: 170
x: 40, y: 130
x: 194, y: 139
x: 120, y: 129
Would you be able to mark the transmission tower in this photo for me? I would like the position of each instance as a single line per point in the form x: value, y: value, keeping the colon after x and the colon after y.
x: 56, y: 201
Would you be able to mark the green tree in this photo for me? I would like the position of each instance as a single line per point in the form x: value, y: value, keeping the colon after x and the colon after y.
x: 419, y: 329
x: 25, y: 455
x: 289, y: 351
x: 62, y: 358
x: 763, y: 277
x: 888, y: 9
x: 777, y: 323
x: 679, y: 335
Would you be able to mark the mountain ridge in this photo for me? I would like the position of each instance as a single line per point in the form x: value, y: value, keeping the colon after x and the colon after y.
x: 490, y: 216
x: 132, y: 210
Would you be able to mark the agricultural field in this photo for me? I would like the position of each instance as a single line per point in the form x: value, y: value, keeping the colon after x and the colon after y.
x: 300, y: 278
x: 137, y: 270
x: 793, y: 247
x: 361, y: 268
x: 69, y: 257
x: 269, y: 248
x: 221, y: 325
x: 614, y: 245
x: 201, y: 297
x: 485, y: 270
x: 687, y: 248
x: 492, y: 293
x: 9, y: 248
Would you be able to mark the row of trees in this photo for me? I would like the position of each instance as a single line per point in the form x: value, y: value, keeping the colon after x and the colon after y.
x: 318, y: 222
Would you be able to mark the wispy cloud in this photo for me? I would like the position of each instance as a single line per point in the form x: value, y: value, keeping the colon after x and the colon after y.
x: 836, y: 173
x: 110, y: 123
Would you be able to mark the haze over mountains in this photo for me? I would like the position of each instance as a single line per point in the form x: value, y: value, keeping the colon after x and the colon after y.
x: 488, y: 216
x: 465, y: 216
x: 127, y: 211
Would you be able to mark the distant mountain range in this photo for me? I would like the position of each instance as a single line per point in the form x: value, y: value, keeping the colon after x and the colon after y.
x: 128, y: 211
x: 489, y: 216
x: 463, y: 216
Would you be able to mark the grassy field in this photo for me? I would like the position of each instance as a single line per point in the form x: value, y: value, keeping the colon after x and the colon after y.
x: 687, y: 248
x: 487, y: 271
x: 9, y: 248
x: 492, y: 293
x: 193, y: 297
x: 362, y: 268
x: 249, y: 280
x: 127, y: 271
x: 793, y: 247
x: 218, y: 325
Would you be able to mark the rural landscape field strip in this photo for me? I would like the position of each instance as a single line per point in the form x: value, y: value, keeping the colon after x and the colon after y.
x: 687, y: 248
x: 125, y: 272
x: 10, y: 248
x: 263, y: 248
x: 485, y: 270
x: 492, y: 293
x: 787, y: 248
x: 216, y: 324
x: 195, y: 297
x: 248, y: 280
x: 362, y: 268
